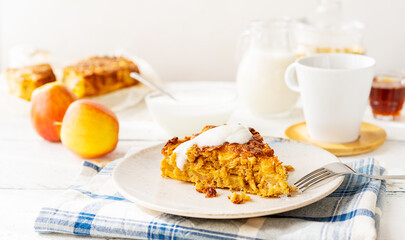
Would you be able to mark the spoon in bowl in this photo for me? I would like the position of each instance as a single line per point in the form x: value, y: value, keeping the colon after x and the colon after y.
x: 150, y: 84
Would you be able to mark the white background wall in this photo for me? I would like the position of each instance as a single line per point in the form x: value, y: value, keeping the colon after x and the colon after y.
x: 182, y: 39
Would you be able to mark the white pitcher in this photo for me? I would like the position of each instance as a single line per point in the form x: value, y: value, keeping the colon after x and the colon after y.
x: 266, y: 52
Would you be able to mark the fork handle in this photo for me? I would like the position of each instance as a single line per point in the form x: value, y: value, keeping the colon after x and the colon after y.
x: 384, y: 177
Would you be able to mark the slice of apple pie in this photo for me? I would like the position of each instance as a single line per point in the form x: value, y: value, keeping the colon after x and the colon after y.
x: 227, y: 156
x: 23, y: 81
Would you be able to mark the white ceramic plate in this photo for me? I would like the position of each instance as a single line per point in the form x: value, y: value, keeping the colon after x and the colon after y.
x: 138, y: 178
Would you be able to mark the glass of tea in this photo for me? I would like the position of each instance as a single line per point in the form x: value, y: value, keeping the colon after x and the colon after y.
x: 387, y: 96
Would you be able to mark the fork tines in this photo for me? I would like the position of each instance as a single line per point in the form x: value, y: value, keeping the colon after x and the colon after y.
x: 312, y: 178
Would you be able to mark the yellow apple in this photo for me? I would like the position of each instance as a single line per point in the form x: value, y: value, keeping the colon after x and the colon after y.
x: 48, y: 106
x: 89, y: 129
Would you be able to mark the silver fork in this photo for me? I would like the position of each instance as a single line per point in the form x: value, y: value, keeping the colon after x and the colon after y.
x: 334, y: 170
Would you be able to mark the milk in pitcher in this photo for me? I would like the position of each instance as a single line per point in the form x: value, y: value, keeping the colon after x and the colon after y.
x: 261, y: 85
x: 260, y: 76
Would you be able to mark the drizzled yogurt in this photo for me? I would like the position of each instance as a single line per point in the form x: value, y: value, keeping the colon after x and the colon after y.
x: 232, y: 133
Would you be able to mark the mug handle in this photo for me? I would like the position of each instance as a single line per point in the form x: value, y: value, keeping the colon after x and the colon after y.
x: 290, y: 79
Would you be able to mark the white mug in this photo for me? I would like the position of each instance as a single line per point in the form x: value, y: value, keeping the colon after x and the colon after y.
x: 334, y: 90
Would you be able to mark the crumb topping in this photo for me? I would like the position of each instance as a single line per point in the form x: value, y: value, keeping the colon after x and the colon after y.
x: 103, y: 65
x: 209, y: 192
x: 239, y: 198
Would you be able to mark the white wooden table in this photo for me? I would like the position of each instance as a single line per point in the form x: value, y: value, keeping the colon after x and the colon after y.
x: 33, y: 170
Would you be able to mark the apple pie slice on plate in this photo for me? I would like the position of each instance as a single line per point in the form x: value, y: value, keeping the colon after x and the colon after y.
x: 234, y: 161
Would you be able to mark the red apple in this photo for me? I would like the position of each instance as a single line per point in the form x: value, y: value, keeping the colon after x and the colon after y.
x: 89, y: 129
x: 48, y: 106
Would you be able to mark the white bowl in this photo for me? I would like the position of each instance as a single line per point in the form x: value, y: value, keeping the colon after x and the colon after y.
x: 198, y: 104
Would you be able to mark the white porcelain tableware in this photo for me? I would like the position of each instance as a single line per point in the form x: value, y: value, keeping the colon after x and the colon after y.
x: 138, y: 178
x: 197, y: 104
x: 266, y: 53
x: 334, y: 90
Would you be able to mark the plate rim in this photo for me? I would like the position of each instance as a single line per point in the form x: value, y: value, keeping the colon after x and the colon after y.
x: 185, y: 213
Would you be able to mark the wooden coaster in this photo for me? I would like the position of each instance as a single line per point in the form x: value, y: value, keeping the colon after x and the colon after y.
x: 371, y: 137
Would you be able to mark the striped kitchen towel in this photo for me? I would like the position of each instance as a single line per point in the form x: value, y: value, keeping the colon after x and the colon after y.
x: 93, y: 207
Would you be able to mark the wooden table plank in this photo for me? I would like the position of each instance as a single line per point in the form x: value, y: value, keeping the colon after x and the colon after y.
x: 38, y: 164
x: 393, y: 220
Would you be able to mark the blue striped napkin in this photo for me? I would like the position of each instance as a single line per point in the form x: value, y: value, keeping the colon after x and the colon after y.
x: 93, y: 207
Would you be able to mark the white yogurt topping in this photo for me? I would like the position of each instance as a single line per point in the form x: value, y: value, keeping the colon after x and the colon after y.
x: 232, y: 133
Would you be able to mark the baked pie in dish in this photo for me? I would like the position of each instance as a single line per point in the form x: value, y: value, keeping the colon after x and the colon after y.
x: 227, y: 156
x: 99, y: 75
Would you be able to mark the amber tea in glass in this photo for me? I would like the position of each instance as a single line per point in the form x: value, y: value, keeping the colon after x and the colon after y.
x: 387, y: 96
